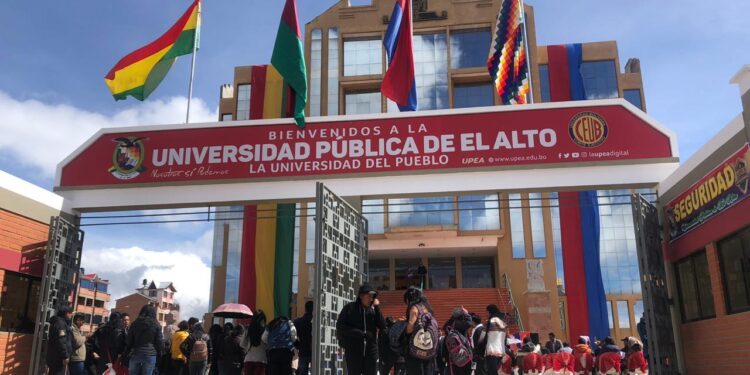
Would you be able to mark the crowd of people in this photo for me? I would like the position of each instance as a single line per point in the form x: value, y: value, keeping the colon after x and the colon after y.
x: 414, y: 344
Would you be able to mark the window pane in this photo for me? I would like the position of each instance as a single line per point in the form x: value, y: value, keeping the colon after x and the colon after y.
x: 333, y: 72
x: 516, y: 226
x: 474, y: 95
x: 688, y: 290
x: 599, y: 79
x: 363, y: 57
x: 296, y: 247
x: 243, y: 102
x: 633, y: 96
x: 19, y: 302
x: 406, y: 273
x: 703, y: 278
x: 310, y: 234
x: 733, y: 253
x: 478, y: 272
x: 469, y: 48
x: 441, y: 273
x: 537, y: 225
x: 362, y: 103
x: 610, y: 317
x: 618, y: 250
x: 380, y: 274
x: 316, y: 55
x: 638, y: 309
x: 544, y: 83
x: 226, y: 117
x: 478, y: 212
x: 554, y: 209
x: 422, y: 211
x: 374, y: 211
x: 623, y: 314
x: 431, y: 70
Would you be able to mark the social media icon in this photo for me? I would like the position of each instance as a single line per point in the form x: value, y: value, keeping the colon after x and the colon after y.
x: 576, y: 155
x: 566, y: 155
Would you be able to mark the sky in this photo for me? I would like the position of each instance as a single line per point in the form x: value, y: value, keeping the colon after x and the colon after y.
x: 54, y: 55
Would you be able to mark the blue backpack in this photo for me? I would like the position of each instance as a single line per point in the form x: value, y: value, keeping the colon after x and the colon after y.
x: 280, y: 335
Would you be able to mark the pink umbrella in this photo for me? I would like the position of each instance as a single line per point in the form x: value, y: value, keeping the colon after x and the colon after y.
x: 233, y: 310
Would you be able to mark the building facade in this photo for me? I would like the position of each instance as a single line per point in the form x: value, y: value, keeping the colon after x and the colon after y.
x: 25, y: 211
x: 481, y: 241
x: 160, y: 296
x: 93, y: 301
x: 707, y: 246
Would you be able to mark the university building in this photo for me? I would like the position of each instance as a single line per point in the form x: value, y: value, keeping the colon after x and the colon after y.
x: 500, y: 247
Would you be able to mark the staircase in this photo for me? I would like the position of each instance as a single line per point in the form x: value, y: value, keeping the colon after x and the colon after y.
x: 443, y: 302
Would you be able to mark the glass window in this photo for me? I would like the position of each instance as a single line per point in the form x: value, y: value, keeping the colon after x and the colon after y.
x: 516, y: 226
x: 618, y: 249
x: 633, y: 96
x: 469, y: 48
x: 431, y: 70
x: 544, y: 83
x: 638, y: 309
x: 599, y: 79
x: 226, y: 117
x: 478, y: 272
x: 243, y: 102
x: 478, y: 212
x: 361, y: 103
x: 374, y: 211
x: 316, y: 56
x: 406, y: 273
x: 310, y: 234
x: 473, y: 95
x: 380, y: 274
x: 333, y: 72
x: 554, y: 210
x: 363, y: 57
x: 19, y: 301
x: 441, y: 273
x: 696, y: 302
x: 422, y: 211
x: 623, y: 314
x: 734, y: 253
x: 610, y: 317
x: 537, y: 225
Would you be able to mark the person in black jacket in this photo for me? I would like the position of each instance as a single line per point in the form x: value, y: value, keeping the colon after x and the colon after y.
x: 304, y: 336
x: 109, y: 343
x: 357, y: 327
x: 145, y: 342
x: 60, y: 344
x: 232, y: 355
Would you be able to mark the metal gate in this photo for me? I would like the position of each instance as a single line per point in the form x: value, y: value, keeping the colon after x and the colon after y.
x: 62, y: 262
x: 660, y: 333
x: 340, y: 268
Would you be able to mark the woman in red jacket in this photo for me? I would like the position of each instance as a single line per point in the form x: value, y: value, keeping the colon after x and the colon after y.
x: 637, y: 363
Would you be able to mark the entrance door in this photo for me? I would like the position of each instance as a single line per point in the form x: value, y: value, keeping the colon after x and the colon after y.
x: 62, y: 262
x: 340, y: 268
x: 660, y: 334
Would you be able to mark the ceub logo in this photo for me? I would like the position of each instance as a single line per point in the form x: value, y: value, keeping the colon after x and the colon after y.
x: 588, y: 129
x: 127, y: 157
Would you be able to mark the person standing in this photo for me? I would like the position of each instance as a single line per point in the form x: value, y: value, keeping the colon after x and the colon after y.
x: 479, y: 343
x: 356, y: 330
x: 494, y: 348
x: 126, y: 322
x: 198, y: 349
x: 554, y: 344
x: 178, y: 365
x: 145, y: 342
x: 304, y: 333
x: 255, y: 358
x: 109, y: 343
x: 458, y: 344
x: 78, y: 359
x: 420, y: 320
x: 232, y: 355
x: 422, y: 273
x: 60, y: 342
x: 279, y: 337
x: 216, y: 333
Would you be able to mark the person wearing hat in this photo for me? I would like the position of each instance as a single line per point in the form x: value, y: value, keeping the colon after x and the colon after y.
x: 356, y: 330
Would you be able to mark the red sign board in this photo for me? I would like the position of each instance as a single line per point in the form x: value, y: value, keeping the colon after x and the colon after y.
x: 722, y: 188
x: 454, y: 140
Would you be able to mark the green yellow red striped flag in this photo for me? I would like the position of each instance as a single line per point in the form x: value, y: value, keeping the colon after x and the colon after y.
x: 139, y: 73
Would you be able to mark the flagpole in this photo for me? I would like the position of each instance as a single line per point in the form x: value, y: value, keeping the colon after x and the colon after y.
x: 192, y: 64
x: 528, y: 53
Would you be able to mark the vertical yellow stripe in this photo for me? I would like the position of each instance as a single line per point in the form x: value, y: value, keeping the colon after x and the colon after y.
x: 272, y: 99
x: 265, y: 257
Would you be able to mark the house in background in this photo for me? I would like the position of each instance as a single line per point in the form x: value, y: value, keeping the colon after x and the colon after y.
x: 93, y: 301
x: 160, y: 296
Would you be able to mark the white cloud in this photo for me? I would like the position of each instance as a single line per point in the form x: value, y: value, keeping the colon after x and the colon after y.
x: 38, y: 135
x: 126, y: 267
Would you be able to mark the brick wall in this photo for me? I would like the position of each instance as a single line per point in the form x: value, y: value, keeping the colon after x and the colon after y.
x: 17, y: 232
x: 717, y: 346
x: 15, y: 353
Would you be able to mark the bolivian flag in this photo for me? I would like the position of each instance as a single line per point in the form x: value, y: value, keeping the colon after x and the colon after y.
x: 139, y: 73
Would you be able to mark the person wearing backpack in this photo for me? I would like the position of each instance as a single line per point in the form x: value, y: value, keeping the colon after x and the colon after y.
x: 198, y: 350
x: 458, y: 345
x: 422, y: 333
x: 279, y: 337
x: 356, y: 330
